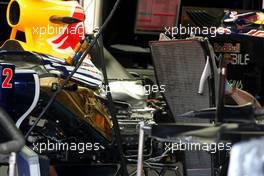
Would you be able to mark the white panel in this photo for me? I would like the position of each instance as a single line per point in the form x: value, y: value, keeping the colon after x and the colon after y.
x: 89, y: 8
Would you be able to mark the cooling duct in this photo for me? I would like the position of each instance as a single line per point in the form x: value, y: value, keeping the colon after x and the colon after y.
x: 179, y: 65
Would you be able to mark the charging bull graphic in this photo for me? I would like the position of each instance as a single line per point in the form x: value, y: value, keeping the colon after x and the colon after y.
x: 72, y: 33
x: 51, y: 27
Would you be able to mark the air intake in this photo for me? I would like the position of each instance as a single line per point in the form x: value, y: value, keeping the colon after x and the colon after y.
x: 14, y: 13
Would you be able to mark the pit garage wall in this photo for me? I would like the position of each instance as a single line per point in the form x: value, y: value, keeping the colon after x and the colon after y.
x: 247, y: 70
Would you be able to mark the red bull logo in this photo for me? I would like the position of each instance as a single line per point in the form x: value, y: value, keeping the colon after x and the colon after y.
x: 71, y: 34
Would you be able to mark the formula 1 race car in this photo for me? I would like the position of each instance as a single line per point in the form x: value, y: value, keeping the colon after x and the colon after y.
x: 77, y: 126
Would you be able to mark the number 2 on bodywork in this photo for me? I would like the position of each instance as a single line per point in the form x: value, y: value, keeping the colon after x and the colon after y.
x: 8, y: 73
